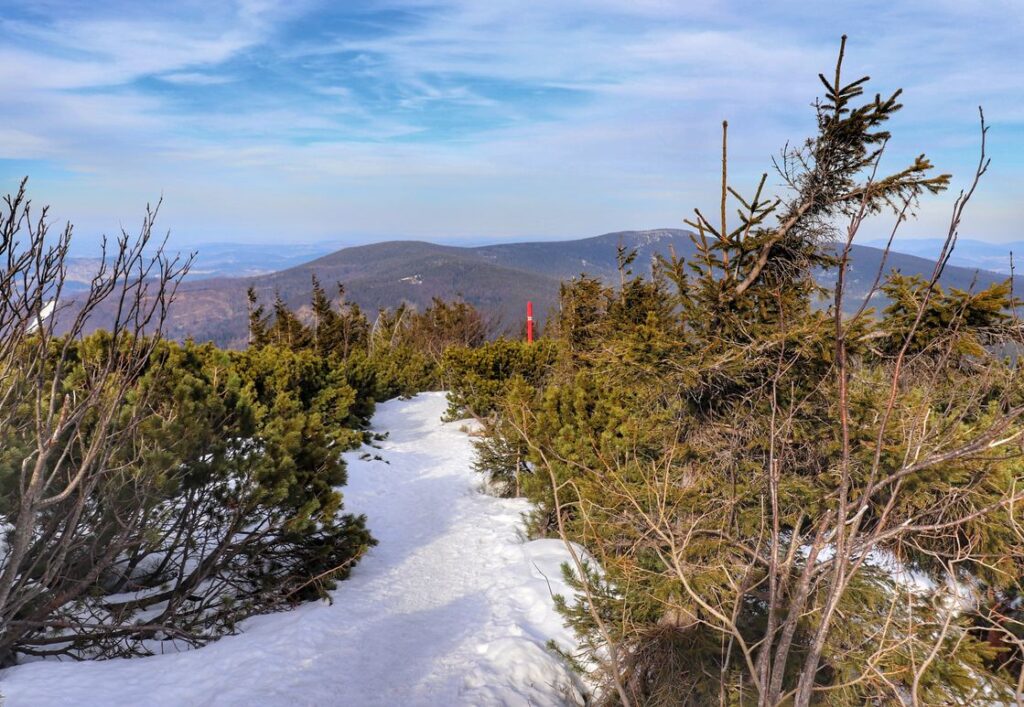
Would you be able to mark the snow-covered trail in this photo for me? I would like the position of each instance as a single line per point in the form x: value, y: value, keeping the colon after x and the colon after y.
x: 451, y: 608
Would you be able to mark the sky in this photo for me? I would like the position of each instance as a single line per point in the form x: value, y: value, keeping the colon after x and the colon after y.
x: 470, y: 121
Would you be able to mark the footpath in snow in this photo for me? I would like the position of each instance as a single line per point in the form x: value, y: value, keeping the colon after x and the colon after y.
x: 451, y: 608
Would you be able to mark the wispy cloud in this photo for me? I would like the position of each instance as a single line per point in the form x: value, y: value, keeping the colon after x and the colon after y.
x: 460, y: 118
x: 195, y: 78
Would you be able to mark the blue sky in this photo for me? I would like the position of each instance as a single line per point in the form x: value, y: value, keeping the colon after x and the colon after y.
x: 473, y: 120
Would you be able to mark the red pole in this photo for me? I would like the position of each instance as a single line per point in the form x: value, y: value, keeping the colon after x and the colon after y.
x: 529, y: 322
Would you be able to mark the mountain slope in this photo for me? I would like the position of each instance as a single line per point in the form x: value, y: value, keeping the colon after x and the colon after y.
x: 375, y: 276
x: 496, y: 278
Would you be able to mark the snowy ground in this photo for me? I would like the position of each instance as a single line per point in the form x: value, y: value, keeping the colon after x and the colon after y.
x: 451, y: 608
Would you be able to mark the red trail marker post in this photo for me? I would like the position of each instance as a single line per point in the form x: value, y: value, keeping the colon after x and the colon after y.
x: 529, y: 322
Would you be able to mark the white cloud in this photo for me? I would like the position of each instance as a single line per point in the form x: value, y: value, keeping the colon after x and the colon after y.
x: 472, y: 117
x: 195, y: 78
x: 20, y: 144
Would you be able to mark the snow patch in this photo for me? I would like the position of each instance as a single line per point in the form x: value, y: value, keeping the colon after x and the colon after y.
x: 43, y: 315
x: 644, y: 238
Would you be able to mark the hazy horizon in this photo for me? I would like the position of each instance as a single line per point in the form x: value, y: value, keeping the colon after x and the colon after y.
x: 970, y: 252
x: 467, y: 123
x: 470, y: 241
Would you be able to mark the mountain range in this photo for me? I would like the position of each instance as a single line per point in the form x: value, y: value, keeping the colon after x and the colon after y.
x: 969, y: 253
x: 216, y: 260
x: 498, y: 279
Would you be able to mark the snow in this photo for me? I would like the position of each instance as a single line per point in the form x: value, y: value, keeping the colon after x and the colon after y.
x: 43, y: 315
x: 954, y: 591
x: 453, y: 607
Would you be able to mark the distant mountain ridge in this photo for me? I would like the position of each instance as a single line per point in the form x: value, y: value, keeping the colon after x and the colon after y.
x: 969, y: 253
x: 215, y: 260
x: 497, y: 278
